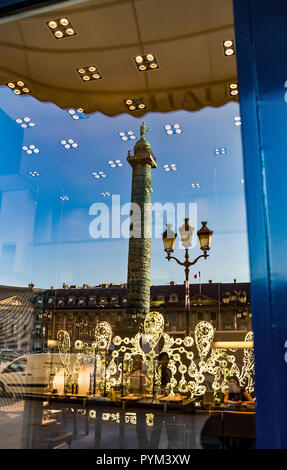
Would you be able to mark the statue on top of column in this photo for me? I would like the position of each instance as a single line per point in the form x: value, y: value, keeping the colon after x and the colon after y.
x: 143, y: 129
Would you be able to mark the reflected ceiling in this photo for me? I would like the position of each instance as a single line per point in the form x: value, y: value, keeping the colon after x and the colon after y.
x: 185, y: 37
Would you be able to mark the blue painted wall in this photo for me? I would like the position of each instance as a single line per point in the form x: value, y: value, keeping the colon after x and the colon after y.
x: 261, y: 37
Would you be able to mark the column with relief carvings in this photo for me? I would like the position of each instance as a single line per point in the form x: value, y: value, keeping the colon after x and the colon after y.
x: 142, y: 161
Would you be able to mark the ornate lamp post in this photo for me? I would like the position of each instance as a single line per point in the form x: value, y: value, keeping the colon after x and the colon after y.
x: 44, y: 317
x: 82, y: 329
x: 238, y: 300
x: 186, y: 232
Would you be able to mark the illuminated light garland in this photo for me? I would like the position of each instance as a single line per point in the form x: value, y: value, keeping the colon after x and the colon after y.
x: 115, y: 370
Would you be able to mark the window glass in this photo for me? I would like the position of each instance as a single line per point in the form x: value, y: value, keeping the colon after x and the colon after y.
x: 17, y: 366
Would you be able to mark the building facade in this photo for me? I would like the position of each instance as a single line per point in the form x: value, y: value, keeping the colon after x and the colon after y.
x: 17, y: 318
x: 78, y: 310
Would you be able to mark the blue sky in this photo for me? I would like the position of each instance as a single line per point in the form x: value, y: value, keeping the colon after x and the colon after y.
x: 47, y: 241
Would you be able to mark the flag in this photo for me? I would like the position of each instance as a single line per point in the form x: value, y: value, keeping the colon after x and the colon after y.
x: 197, y: 275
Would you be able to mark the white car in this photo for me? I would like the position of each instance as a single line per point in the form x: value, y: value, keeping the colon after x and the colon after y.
x: 37, y: 374
x: 27, y: 374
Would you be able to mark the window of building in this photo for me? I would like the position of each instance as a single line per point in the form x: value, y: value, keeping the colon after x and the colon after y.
x: 160, y: 298
x: 173, y: 298
x: 40, y: 301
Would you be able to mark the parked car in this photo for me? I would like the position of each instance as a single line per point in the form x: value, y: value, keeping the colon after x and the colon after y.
x: 36, y: 374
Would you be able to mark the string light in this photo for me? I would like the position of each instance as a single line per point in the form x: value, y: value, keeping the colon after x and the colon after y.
x: 188, y: 374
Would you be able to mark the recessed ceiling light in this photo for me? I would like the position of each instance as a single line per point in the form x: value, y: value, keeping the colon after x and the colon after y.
x: 170, y: 167
x: 146, y: 62
x: 67, y: 144
x: 61, y: 28
x: 114, y: 164
x: 77, y: 114
x: 88, y: 73
x: 228, y: 47
x: 25, y: 122
x: 173, y: 129
x: 31, y: 149
x: 98, y: 174
x: 233, y: 88
x: 220, y: 151
x: 127, y: 135
x: 134, y: 104
x: 237, y: 121
x: 19, y: 88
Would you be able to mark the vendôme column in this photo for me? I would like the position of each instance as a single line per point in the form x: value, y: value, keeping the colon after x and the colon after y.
x: 140, y: 227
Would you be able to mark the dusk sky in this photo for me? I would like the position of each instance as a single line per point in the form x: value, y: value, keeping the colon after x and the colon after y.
x: 47, y: 240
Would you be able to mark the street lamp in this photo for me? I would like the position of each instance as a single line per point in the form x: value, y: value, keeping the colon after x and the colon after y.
x: 82, y: 325
x: 186, y: 233
x: 44, y: 317
x: 238, y: 300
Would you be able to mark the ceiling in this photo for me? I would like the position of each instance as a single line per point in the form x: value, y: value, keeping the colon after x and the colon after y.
x: 185, y: 36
